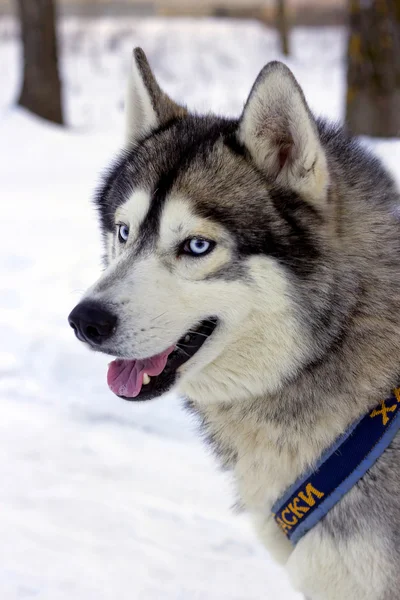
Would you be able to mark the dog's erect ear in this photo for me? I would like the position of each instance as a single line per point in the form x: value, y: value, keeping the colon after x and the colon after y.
x: 147, y: 107
x: 281, y: 135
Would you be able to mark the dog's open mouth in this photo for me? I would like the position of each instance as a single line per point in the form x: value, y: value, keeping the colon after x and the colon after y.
x: 148, y: 378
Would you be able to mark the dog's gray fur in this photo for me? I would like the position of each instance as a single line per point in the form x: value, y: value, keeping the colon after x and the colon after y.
x: 306, y: 282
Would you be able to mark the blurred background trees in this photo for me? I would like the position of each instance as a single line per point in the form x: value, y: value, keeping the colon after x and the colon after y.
x: 373, y: 72
x: 372, y: 105
x: 41, y: 85
x: 282, y: 23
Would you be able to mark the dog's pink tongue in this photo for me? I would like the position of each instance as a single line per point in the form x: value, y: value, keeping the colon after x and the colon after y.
x: 125, y: 377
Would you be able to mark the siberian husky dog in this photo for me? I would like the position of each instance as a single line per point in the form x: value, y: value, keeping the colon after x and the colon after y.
x: 253, y: 266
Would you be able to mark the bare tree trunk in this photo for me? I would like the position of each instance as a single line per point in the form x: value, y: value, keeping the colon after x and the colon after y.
x: 283, y: 26
x: 41, y: 88
x: 373, y: 76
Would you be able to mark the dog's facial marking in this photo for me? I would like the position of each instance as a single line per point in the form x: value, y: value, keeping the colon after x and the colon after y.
x: 265, y: 345
x: 211, y: 191
x: 110, y: 247
x: 132, y: 213
x: 179, y: 222
x: 181, y: 289
x: 149, y: 231
x: 282, y: 227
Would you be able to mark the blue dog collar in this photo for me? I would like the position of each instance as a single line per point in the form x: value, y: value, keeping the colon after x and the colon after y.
x: 310, y: 498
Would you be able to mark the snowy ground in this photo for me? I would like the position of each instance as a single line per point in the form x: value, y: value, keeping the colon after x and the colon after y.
x: 102, y: 499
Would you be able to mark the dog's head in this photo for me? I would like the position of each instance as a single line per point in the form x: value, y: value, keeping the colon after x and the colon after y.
x: 214, y: 231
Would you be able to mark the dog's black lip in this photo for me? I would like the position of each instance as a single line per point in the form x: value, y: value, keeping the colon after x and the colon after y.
x: 183, y: 352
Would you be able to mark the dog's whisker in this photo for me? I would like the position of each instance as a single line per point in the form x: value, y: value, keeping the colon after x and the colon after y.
x: 182, y: 345
x: 184, y: 351
x: 191, y: 332
x: 158, y: 317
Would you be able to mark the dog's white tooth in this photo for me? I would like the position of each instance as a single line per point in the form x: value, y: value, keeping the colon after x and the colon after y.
x: 187, y: 338
x: 146, y: 379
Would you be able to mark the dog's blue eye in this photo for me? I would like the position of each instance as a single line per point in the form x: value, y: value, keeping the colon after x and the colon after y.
x: 198, y: 246
x: 123, y: 233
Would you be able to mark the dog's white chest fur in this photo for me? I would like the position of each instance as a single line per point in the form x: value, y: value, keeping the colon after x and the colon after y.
x: 263, y: 469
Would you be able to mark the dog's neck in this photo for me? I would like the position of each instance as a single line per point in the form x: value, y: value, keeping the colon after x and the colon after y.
x: 270, y: 440
x: 268, y: 454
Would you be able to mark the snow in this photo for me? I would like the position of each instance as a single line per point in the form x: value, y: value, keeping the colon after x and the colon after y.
x: 102, y: 499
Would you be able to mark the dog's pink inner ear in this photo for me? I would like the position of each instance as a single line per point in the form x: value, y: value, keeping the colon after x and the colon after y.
x: 281, y: 135
x: 284, y: 154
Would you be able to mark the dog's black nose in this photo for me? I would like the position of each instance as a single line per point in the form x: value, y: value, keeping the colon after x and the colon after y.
x: 91, y: 322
